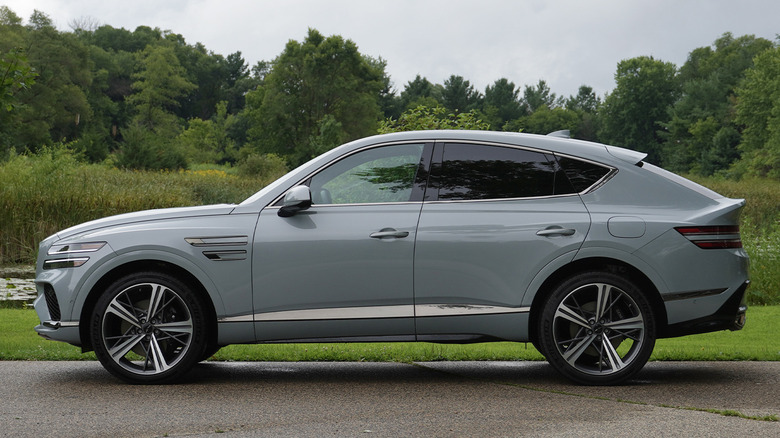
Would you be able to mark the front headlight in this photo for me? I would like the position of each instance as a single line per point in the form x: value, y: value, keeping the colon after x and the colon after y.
x: 72, y: 255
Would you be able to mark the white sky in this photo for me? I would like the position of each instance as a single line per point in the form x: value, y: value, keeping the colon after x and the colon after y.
x: 565, y: 42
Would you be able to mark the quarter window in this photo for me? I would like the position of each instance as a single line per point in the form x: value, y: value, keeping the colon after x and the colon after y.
x: 379, y: 175
x: 581, y: 174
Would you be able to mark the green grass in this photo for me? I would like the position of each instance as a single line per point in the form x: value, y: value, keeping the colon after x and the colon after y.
x: 757, y: 341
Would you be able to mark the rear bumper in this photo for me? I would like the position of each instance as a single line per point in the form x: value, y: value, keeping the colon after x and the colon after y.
x: 730, y: 316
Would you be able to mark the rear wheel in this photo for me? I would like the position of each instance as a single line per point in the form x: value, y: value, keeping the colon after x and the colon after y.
x: 149, y: 328
x: 597, y: 329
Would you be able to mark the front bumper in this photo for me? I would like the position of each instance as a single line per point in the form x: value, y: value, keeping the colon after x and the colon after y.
x: 65, y: 331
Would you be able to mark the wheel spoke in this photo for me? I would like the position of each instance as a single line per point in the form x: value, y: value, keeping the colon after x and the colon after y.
x: 157, y: 294
x: 571, y: 315
x: 176, y: 327
x: 120, y: 349
x: 602, y: 300
x: 633, y: 323
x: 120, y: 309
x: 613, y: 358
x: 157, y: 356
x: 575, y: 351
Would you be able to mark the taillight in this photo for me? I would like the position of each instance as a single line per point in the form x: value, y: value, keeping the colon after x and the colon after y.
x: 712, y: 237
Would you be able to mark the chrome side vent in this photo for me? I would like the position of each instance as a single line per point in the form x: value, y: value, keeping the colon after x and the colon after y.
x: 217, y: 241
x: 224, y: 256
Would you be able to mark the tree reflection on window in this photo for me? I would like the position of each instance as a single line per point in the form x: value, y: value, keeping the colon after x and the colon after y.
x: 482, y: 172
x: 375, y: 176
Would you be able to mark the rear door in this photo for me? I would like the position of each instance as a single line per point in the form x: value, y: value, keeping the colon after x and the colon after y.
x: 493, y: 217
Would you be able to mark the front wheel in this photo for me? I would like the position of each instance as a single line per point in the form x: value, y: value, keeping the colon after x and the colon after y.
x: 597, y: 329
x: 148, y: 328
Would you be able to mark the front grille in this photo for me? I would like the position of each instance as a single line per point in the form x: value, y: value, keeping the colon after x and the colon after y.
x: 51, y: 302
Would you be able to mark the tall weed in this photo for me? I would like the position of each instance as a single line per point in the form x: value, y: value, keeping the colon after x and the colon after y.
x: 760, y: 232
x: 46, y: 192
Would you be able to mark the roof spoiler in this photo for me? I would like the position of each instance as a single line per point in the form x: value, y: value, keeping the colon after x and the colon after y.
x: 627, y: 155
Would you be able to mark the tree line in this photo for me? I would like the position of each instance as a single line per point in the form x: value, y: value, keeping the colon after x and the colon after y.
x: 147, y: 99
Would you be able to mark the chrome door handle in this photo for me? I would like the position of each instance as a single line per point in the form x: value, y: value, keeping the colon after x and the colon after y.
x: 388, y: 232
x: 556, y: 231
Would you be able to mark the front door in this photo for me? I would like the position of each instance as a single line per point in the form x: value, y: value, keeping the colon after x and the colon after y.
x: 343, y: 267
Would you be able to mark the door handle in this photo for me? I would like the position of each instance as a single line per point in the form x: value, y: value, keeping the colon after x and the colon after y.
x: 388, y: 232
x: 556, y: 231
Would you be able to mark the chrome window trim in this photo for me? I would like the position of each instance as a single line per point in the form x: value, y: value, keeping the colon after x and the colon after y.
x: 342, y: 157
x: 313, y: 206
x: 612, y: 171
x: 610, y: 174
x: 491, y: 143
x: 530, y: 198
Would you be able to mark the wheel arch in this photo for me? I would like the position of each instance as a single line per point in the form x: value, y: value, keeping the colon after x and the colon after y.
x: 139, y: 266
x: 597, y: 264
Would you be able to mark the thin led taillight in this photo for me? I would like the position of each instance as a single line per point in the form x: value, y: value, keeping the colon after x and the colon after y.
x: 713, y: 237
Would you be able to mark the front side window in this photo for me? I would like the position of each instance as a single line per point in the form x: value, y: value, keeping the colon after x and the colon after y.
x: 469, y: 172
x: 378, y: 175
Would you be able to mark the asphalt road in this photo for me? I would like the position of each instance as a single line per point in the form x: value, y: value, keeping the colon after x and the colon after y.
x: 64, y: 399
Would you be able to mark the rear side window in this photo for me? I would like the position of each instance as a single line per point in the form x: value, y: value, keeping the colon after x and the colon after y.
x: 471, y: 172
x: 582, y: 174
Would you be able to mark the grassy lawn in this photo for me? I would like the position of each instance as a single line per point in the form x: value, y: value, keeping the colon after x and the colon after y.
x: 758, y: 341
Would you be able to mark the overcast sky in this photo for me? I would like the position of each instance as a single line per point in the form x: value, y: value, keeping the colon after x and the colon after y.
x: 565, y: 42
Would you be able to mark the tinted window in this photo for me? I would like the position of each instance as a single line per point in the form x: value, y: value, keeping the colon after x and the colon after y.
x: 385, y: 174
x: 493, y: 172
x: 581, y: 174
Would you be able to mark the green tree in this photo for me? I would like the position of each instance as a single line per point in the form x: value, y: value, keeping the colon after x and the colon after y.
x: 502, y: 103
x: 540, y: 95
x: 310, y: 80
x: 631, y: 114
x: 546, y: 120
x: 585, y: 100
x: 55, y: 107
x: 758, y: 110
x: 16, y: 76
x: 426, y: 118
x: 458, y: 95
x: 208, y: 141
x: 420, y: 92
x: 158, y: 85
x: 701, y: 135
x: 586, y: 104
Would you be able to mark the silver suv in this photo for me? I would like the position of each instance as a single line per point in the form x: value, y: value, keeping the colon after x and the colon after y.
x: 438, y: 236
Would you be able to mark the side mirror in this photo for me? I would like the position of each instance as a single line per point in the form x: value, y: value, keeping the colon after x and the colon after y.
x: 296, y: 199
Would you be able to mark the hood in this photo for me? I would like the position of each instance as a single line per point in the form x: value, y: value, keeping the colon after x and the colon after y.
x: 145, y: 216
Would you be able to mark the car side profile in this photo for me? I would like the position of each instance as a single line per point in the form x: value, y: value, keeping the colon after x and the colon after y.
x: 583, y: 249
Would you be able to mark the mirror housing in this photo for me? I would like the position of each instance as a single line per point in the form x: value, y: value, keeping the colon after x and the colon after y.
x: 296, y: 199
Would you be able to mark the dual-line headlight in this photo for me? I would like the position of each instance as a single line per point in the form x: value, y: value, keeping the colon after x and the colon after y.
x: 71, y: 255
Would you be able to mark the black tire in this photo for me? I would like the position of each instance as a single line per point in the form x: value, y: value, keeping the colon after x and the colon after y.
x: 597, y: 329
x: 210, y: 351
x: 149, y: 328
